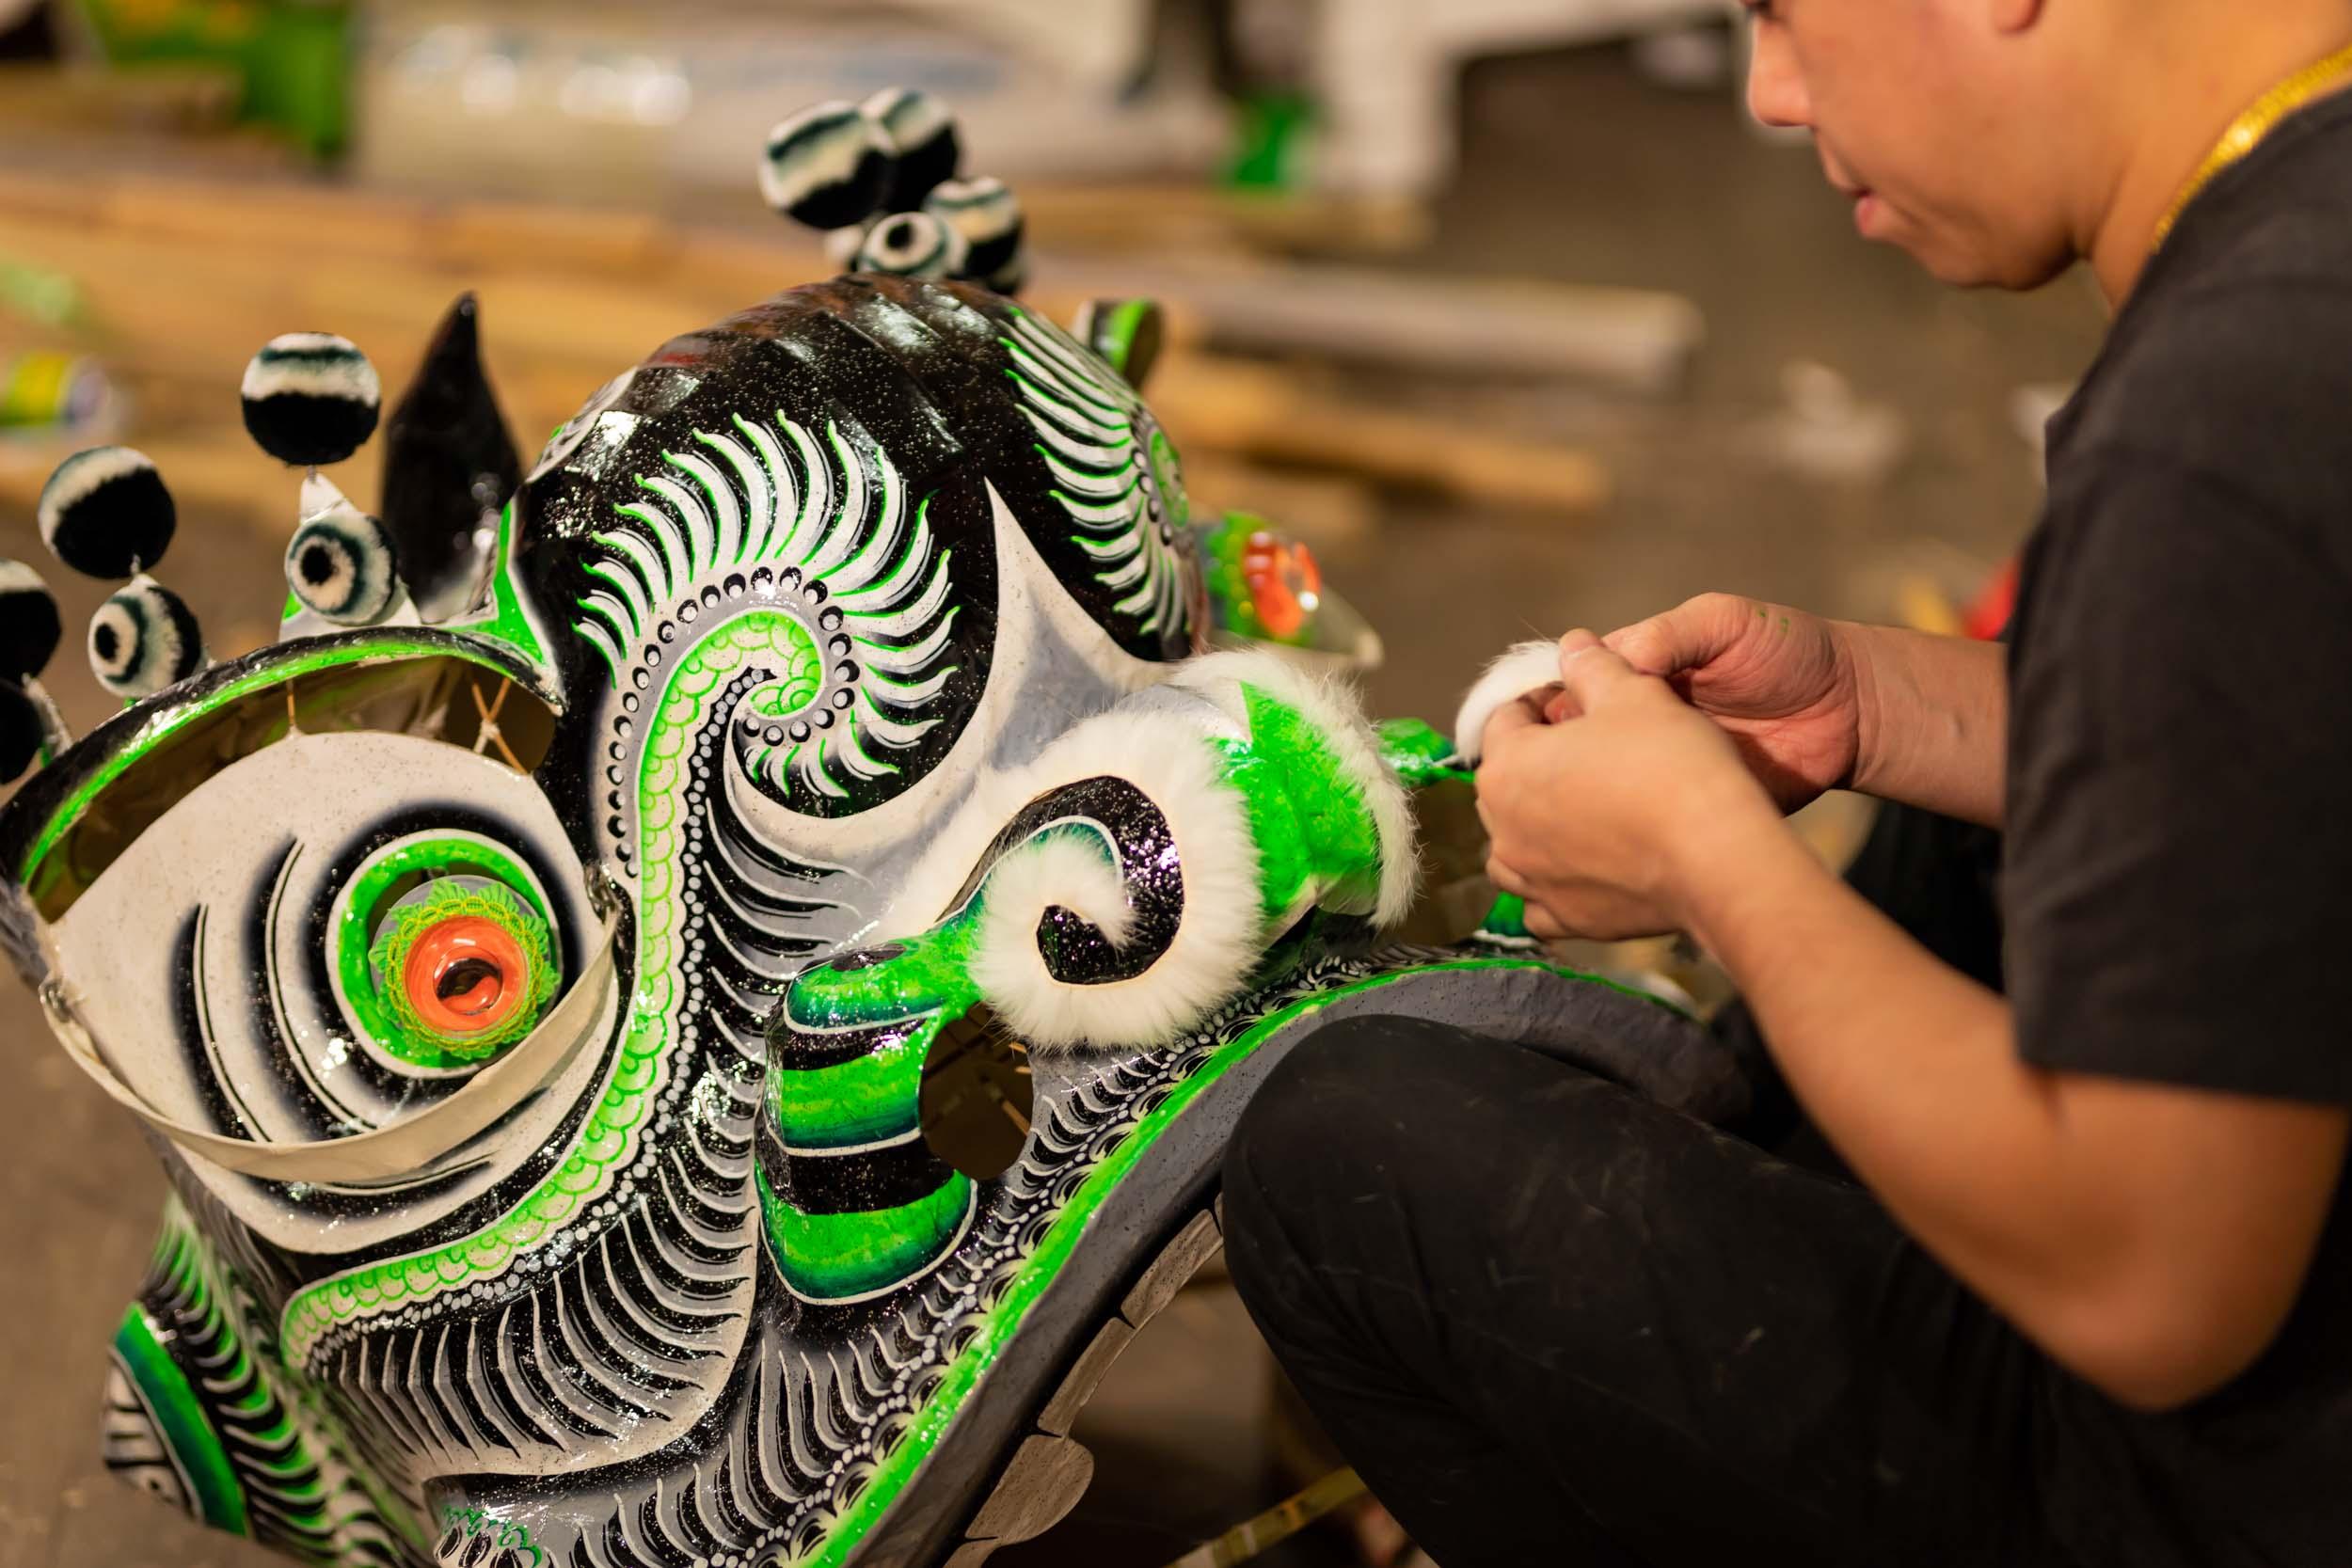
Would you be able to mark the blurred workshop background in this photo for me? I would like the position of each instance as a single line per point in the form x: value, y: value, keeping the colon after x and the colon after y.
x: 1505, y: 308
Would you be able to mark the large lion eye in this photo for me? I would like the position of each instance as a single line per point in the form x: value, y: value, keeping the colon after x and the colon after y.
x: 447, y: 952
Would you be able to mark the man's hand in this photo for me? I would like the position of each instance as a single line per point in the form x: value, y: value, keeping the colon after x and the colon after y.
x: 1782, y: 684
x: 1593, y: 817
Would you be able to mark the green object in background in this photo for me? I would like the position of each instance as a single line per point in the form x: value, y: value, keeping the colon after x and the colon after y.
x: 292, y: 58
x: 1221, y: 544
x: 1271, y: 129
x: 38, y: 294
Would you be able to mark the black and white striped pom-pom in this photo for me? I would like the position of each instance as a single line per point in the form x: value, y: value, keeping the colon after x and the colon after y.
x: 312, y: 398
x: 988, y: 216
x: 105, y: 513
x: 910, y: 245
x: 924, y: 148
x: 341, y: 565
x: 22, y: 732
x: 826, y: 166
x: 1008, y: 279
x: 29, y: 626
x: 144, y: 640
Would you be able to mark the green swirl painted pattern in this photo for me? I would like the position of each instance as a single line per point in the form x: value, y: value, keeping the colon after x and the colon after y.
x: 611, y: 1137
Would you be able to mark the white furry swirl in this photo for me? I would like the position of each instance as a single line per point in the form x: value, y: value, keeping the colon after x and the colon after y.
x: 1162, y: 742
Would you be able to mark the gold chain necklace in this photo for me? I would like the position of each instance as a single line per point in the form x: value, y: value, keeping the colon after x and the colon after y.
x: 2247, y: 131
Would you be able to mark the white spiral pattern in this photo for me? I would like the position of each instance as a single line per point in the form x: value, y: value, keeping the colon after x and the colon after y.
x: 833, y: 513
x: 1114, y: 471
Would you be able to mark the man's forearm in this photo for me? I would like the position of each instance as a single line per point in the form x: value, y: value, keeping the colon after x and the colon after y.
x: 2149, y: 1237
x: 1933, y: 719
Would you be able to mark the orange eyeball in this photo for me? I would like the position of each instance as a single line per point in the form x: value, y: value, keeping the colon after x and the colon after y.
x: 1285, y: 583
x: 467, y: 976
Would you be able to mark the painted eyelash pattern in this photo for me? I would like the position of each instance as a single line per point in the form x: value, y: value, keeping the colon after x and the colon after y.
x: 1115, y: 472
x: 864, y: 625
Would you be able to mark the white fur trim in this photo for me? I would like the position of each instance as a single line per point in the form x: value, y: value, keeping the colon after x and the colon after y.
x: 1528, y: 668
x: 328, y: 366
x: 1218, y: 939
x: 1332, y: 708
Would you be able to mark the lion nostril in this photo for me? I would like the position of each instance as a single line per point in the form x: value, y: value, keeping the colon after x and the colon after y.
x: 978, y: 1100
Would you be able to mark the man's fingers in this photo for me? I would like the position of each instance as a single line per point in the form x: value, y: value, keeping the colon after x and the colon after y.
x: 1508, y: 879
x: 1692, y: 634
x: 1573, y: 644
x: 1508, y: 720
x: 1541, y: 922
x: 1589, y: 672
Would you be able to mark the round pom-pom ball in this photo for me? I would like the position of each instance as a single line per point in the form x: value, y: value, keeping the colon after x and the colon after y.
x: 20, y: 732
x: 29, y: 628
x: 826, y: 166
x: 1008, y: 279
x: 144, y: 640
x: 910, y: 245
x: 105, y: 513
x: 988, y: 216
x: 312, y: 398
x: 924, y: 148
x: 341, y: 565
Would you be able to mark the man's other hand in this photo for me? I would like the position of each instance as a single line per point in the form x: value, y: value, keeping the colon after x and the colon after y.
x: 1783, y: 685
x: 1595, y: 817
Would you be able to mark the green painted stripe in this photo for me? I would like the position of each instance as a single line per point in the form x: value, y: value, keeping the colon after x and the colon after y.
x: 863, y: 1102
x: 182, y: 1423
x: 836, y: 1257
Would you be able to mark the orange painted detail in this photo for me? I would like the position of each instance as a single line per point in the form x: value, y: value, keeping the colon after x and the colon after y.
x: 467, y: 976
x: 1285, y: 584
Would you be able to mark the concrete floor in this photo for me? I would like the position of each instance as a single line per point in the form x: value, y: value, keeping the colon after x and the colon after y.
x: 1577, y: 169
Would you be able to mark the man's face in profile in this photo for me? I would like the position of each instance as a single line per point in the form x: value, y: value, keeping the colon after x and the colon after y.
x: 1919, y: 110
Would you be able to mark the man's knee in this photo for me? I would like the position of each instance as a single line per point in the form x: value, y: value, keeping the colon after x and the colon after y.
x: 1370, y: 1117
x: 1347, y: 1089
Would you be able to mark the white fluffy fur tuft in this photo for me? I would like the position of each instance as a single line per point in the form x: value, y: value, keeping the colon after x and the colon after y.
x: 1160, y: 744
x: 1530, y: 667
x: 1335, y: 711
x: 1216, y: 943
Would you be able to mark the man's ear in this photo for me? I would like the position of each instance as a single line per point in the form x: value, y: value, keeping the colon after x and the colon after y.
x: 2014, y: 16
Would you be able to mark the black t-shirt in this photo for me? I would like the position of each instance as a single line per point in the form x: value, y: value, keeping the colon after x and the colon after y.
x: 2177, y: 886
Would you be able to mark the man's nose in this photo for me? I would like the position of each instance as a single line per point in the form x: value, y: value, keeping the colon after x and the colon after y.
x: 1776, y: 94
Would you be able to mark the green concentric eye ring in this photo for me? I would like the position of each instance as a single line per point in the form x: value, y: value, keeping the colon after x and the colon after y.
x: 388, y: 893
x: 437, y: 903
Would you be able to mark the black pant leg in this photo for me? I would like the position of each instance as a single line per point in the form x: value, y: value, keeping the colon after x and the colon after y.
x: 1552, y: 1323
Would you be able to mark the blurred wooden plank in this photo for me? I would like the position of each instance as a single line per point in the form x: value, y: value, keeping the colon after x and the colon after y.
x: 1430, y: 322
x: 1228, y: 405
x: 42, y: 98
x: 183, y: 283
x: 1333, y: 513
x: 1421, y: 322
